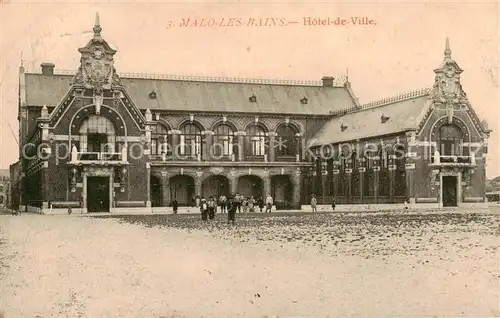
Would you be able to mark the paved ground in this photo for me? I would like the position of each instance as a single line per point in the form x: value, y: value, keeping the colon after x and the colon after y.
x: 280, y: 265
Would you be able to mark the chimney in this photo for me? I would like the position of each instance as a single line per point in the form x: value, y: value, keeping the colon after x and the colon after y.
x: 327, y: 81
x: 47, y: 68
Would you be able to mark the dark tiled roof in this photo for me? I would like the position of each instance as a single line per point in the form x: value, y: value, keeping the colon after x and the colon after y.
x: 188, y: 95
x: 366, y: 123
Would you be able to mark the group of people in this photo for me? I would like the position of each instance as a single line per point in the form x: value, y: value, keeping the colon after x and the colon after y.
x: 229, y: 205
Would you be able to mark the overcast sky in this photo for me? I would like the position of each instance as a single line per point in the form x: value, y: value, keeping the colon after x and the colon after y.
x: 396, y: 55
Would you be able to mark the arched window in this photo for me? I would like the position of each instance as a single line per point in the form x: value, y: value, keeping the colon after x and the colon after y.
x: 190, y: 140
x: 160, y: 140
x: 256, y: 140
x: 286, y: 141
x: 451, y: 140
x: 97, y: 134
x: 383, y: 187
x: 223, y: 141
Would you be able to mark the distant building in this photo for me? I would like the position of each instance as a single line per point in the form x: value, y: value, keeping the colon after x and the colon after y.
x: 15, y: 185
x: 104, y: 142
x: 4, y: 188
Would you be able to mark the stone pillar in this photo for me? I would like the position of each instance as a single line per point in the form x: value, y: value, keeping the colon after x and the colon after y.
x: 362, y: 180
x: 296, y: 183
x: 198, y: 182
x: 410, y: 180
x: 267, y: 185
x: 392, y: 177
x: 175, y: 144
x: 165, y: 188
x: 84, y: 191
x: 207, y: 152
x: 349, y: 173
x: 44, y: 184
x: 299, y: 149
x: 241, y: 145
x: 148, y: 185
x: 272, y: 146
x: 376, y: 177
x: 336, y: 172
x: 233, y: 185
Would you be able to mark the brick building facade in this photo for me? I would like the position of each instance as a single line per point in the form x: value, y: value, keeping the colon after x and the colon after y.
x: 101, y: 141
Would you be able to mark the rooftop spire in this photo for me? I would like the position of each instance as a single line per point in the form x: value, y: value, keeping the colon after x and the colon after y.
x: 97, y: 26
x: 447, y: 51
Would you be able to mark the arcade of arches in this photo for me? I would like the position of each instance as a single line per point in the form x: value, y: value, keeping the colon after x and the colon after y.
x: 184, y: 188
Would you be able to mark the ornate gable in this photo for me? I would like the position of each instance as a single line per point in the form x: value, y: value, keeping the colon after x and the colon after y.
x: 97, y: 69
x: 447, y: 93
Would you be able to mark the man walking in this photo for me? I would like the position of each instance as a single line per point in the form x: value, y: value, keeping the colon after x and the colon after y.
x: 269, y: 203
x: 231, y: 210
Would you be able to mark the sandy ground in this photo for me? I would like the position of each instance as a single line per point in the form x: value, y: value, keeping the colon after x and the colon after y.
x: 60, y: 266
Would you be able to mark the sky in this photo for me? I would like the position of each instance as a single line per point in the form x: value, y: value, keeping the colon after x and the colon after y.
x: 395, y: 54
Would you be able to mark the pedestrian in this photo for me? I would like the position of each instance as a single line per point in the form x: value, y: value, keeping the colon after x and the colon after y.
x: 231, y: 210
x: 406, y: 205
x: 237, y: 201
x: 260, y: 203
x: 197, y: 200
x: 333, y: 204
x: 212, y: 205
x: 244, y: 205
x: 314, y: 203
x: 175, y: 205
x: 69, y: 211
x: 251, y: 203
x: 269, y: 203
x: 222, y: 203
x: 204, y: 209
x: 50, y: 207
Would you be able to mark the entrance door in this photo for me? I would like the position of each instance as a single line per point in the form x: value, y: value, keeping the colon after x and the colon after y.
x: 98, y: 194
x: 450, y: 195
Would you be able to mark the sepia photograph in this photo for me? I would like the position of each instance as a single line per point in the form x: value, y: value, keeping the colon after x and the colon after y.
x: 165, y: 159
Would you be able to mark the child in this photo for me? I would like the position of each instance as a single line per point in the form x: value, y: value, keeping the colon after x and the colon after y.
x: 333, y: 204
x: 231, y: 210
x: 406, y: 205
x: 314, y: 202
x: 175, y: 205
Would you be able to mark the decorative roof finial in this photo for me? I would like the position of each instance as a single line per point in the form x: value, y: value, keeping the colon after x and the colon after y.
x: 347, y: 74
x: 22, y: 62
x: 97, y: 26
x: 447, y: 51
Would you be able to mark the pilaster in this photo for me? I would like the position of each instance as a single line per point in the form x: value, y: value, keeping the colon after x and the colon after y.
x: 148, y: 184
x: 165, y: 188
x: 272, y: 146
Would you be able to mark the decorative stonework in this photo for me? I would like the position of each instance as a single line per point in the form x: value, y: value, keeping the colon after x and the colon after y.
x: 96, y: 69
x: 447, y: 88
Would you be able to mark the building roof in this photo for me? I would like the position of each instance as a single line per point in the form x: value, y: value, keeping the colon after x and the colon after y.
x: 205, y: 96
x: 403, y: 113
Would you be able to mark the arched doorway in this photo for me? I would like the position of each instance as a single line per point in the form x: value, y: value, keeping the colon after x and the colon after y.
x: 250, y: 186
x: 215, y: 186
x: 156, y: 191
x: 182, y: 189
x: 282, y: 190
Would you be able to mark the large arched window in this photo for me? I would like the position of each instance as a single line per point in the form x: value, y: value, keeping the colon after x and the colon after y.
x: 451, y: 141
x: 286, y: 141
x: 223, y: 141
x: 159, y: 140
x: 97, y: 134
x: 256, y: 141
x: 190, y: 140
x: 383, y: 185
